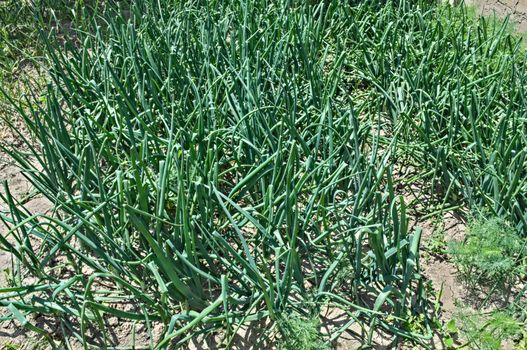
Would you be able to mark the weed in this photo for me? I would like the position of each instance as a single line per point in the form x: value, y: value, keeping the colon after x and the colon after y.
x: 450, y: 333
x: 436, y: 244
x: 11, y: 346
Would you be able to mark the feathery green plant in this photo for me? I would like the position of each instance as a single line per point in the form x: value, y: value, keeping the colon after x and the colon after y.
x: 490, y: 252
x: 489, y: 332
x: 301, y: 333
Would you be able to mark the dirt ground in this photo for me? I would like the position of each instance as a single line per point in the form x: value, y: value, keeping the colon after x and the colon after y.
x: 516, y: 9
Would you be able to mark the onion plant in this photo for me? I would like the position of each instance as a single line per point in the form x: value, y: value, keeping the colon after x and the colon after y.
x: 454, y: 87
x: 213, y: 164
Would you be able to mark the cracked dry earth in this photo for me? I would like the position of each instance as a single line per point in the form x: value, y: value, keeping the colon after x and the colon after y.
x: 517, y: 9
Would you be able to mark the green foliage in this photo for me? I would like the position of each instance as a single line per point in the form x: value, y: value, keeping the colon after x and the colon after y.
x: 489, y: 253
x: 216, y: 163
x: 301, y: 333
x: 23, y: 21
x: 450, y: 333
x: 490, y: 256
x: 436, y: 245
x: 11, y: 346
x: 17, y: 32
x: 452, y: 92
x: 208, y: 166
x: 489, y: 332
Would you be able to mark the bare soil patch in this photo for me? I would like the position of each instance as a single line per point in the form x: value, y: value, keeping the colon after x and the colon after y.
x: 516, y: 9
